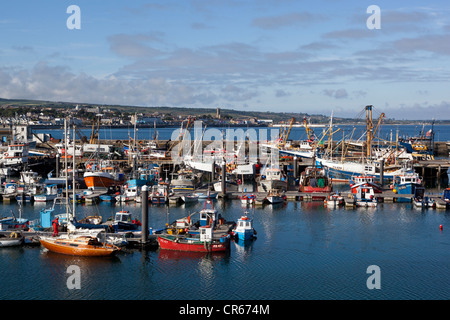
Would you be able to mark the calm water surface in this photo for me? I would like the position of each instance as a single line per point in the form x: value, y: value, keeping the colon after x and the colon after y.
x: 303, y: 251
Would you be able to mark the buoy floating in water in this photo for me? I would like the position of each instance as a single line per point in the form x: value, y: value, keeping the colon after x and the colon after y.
x: 441, y: 227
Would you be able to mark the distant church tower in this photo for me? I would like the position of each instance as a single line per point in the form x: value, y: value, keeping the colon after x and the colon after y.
x: 218, y: 113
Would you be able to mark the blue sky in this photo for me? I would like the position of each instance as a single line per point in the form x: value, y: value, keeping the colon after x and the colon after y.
x: 307, y: 56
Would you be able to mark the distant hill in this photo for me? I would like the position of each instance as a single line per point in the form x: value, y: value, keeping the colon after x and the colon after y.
x: 277, y: 117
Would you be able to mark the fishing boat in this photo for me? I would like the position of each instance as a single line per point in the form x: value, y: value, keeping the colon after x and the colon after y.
x: 365, y: 197
x: 275, y: 197
x: 207, y: 195
x: 24, y: 197
x: 13, y: 223
x: 11, y: 240
x: 158, y: 194
x: 405, y: 184
x: 79, y: 246
x: 273, y: 178
x: 333, y: 200
x: 50, y: 194
x: 124, y: 221
x: 422, y: 201
x: 89, y: 222
x: 206, y: 241
x: 102, y: 176
x: 208, y: 216
x: 244, y: 229
x: 129, y: 194
x: 108, y: 197
x: 185, y: 180
x: 16, y: 154
x: 248, y: 199
x: 9, y: 190
x: 364, y: 180
x: 189, y: 198
x: 146, y: 176
x: 314, y: 180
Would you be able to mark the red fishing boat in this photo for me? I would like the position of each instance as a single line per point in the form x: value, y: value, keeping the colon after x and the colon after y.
x: 205, y: 242
x: 364, y: 181
x: 313, y: 179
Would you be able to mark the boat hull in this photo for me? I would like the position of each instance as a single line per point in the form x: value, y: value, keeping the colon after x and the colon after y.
x: 45, y: 198
x: 244, y: 235
x: 170, y: 243
x: 99, y: 181
x: 275, y: 199
x: 11, y: 242
x: 273, y: 184
x: 309, y: 189
x: 360, y: 203
x: 58, y: 246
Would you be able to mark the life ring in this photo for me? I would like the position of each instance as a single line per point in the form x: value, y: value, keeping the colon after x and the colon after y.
x: 6, y: 154
x: 13, y: 235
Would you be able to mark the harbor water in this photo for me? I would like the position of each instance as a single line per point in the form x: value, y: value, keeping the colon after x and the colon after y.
x: 386, y: 132
x: 303, y: 250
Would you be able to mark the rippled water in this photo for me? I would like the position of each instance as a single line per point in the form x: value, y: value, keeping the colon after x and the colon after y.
x: 303, y: 251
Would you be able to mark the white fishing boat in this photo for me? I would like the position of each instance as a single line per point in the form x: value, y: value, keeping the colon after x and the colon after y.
x: 50, y: 194
x: 365, y: 197
x: 16, y: 154
x: 130, y: 194
x: 273, y: 178
x: 185, y: 180
x: 333, y: 200
x: 275, y: 197
x: 189, y: 198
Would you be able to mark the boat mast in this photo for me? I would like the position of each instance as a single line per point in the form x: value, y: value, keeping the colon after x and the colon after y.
x: 369, y: 131
x: 73, y: 173
x: 67, y: 170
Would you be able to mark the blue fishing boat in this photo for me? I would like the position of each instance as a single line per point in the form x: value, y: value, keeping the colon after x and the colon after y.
x: 123, y: 222
x: 244, y: 229
x: 446, y: 196
x: 90, y: 222
x: 14, y: 223
x: 406, y: 184
x: 147, y: 176
x: 108, y: 197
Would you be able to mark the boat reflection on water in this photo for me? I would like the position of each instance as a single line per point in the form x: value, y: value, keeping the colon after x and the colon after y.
x: 243, y: 244
x: 81, y: 261
x: 189, y: 255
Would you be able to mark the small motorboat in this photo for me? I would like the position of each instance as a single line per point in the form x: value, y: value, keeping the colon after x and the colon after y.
x: 11, y: 240
x: 333, y: 200
x: 248, y: 199
x: 189, y: 198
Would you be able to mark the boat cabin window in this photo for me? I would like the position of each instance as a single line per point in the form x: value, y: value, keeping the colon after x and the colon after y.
x: 123, y: 217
